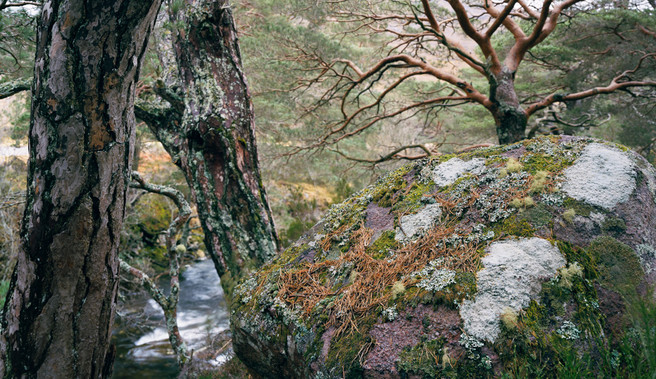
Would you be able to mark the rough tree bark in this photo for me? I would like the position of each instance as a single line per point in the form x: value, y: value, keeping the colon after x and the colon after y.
x: 209, y: 133
x: 60, y: 306
x: 509, y: 117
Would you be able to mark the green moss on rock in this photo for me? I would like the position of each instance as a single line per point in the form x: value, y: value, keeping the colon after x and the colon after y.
x: 618, y: 266
x: 328, y: 292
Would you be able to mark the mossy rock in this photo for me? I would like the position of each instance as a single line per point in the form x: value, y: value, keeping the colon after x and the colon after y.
x: 517, y: 260
x: 154, y: 214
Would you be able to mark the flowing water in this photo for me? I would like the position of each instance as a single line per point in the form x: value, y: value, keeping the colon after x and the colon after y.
x: 202, y: 312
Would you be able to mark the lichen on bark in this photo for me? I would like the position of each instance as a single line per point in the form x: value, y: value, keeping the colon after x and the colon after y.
x: 212, y: 140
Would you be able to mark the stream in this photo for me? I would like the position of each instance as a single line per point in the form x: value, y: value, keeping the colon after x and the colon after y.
x: 143, y: 349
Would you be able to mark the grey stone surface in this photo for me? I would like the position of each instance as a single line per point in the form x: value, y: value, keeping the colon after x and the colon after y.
x: 601, y: 176
x: 512, y: 275
x: 411, y: 226
x: 448, y: 172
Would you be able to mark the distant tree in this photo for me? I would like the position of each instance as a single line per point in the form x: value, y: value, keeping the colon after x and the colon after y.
x: 424, y: 40
x: 59, y: 311
x: 206, y: 124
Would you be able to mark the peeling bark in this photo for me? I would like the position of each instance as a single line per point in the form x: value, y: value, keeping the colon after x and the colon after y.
x: 60, y: 306
x: 213, y: 141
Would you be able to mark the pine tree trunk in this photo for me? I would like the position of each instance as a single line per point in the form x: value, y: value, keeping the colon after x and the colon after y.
x: 60, y: 306
x: 214, y: 144
x: 510, y: 118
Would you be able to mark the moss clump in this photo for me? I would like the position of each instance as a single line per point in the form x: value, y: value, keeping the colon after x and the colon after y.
x: 538, y: 216
x: 549, y: 163
x: 579, y: 207
x: 348, y: 350
x: 569, y: 214
x: 385, y: 198
x: 422, y: 360
x: 613, y: 225
x: 413, y: 198
x: 614, y: 260
x: 539, y: 182
x: 513, y: 165
x: 514, y: 226
x: 381, y: 248
x: 524, y: 202
x: 569, y: 273
x: 509, y: 318
x: 397, y: 289
x: 463, y: 288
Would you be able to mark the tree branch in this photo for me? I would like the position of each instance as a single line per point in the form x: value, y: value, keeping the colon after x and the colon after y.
x: 146, y: 282
x: 481, y: 40
x: 166, y: 93
x: 545, y: 24
x: 15, y: 86
x: 394, y: 155
x: 530, y: 11
x: 502, y: 18
x: 5, y: 4
x: 184, y: 210
x: 614, y: 85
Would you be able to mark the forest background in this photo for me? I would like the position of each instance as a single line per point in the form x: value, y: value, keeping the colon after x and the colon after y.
x: 284, y: 46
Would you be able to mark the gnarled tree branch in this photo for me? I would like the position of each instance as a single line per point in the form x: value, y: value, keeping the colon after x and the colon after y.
x: 15, y: 86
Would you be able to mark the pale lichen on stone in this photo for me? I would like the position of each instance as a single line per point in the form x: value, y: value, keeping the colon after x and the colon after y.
x: 412, y: 226
x: 511, y: 277
x: 448, y: 172
x: 433, y: 277
x: 647, y: 256
x: 601, y: 176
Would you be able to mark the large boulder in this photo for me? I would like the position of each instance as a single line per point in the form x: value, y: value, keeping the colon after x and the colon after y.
x: 523, y: 259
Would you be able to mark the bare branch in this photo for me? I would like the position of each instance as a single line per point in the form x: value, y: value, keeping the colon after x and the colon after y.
x: 481, y: 40
x: 530, y: 11
x: 614, y: 85
x: 146, y: 282
x: 501, y: 18
x: 394, y: 155
x: 394, y: 114
x: 15, y: 86
x: 546, y: 23
x: 176, y: 196
x: 6, y: 4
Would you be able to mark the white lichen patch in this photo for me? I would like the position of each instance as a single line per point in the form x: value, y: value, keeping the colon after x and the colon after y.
x: 647, y: 255
x: 412, y: 226
x: 569, y: 331
x: 433, y: 277
x: 511, y: 276
x: 448, y: 172
x: 602, y: 176
x: 390, y: 314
